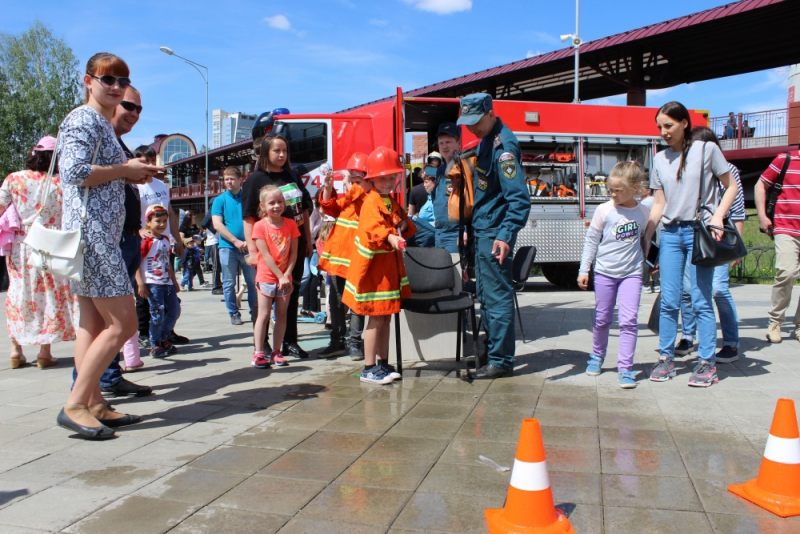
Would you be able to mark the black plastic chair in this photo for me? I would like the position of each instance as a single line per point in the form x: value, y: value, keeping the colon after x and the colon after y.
x: 429, y: 270
x: 520, y: 270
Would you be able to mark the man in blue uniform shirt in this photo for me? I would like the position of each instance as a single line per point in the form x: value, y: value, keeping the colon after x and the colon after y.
x: 446, y: 234
x: 500, y: 211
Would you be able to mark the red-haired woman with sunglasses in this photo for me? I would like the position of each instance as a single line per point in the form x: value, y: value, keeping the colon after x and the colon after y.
x: 92, y: 161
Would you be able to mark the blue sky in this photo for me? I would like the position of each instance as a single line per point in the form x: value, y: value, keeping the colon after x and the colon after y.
x: 327, y: 55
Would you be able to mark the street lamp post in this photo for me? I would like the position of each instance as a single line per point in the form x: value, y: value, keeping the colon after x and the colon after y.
x: 576, y: 43
x: 169, y: 52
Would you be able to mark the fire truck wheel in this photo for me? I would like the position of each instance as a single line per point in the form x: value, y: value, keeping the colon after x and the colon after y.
x: 563, y: 274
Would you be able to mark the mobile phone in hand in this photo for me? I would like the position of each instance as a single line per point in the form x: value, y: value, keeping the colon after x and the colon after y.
x: 652, y: 255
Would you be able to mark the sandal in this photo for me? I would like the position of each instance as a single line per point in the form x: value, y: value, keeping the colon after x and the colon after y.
x: 18, y: 362
x: 44, y: 363
x: 130, y: 369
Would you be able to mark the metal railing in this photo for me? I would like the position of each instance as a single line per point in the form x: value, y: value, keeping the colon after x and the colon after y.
x: 758, y: 265
x: 752, y: 130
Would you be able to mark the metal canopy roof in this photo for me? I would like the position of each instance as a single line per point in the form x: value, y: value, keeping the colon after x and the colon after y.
x: 736, y: 38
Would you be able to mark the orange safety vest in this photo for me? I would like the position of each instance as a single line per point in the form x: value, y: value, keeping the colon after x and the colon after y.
x: 339, y: 247
x: 376, y: 279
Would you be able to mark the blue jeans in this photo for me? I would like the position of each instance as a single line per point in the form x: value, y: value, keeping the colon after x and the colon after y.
x: 231, y: 260
x: 188, y: 277
x: 165, y: 308
x: 728, y: 317
x: 674, y: 254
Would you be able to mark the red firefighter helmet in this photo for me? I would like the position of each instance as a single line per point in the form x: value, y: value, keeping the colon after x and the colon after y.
x: 358, y: 162
x: 383, y: 162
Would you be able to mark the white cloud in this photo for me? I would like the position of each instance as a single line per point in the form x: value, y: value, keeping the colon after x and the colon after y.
x: 279, y: 22
x: 441, y: 7
x: 546, y: 38
x: 378, y: 22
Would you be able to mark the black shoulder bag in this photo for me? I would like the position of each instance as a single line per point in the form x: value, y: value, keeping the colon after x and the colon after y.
x: 775, y: 190
x: 707, y: 251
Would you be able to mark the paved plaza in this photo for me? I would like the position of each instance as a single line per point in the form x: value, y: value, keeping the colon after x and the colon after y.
x: 227, y: 448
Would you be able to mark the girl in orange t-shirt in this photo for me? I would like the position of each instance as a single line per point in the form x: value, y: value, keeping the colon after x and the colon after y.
x: 276, y: 240
x: 376, y: 279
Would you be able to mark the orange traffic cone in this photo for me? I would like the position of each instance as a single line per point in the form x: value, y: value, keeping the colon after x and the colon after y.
x: 529, y: 507
x: 777, y: 487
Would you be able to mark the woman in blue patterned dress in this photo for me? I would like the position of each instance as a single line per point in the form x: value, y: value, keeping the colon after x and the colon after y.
x: 105, y: 296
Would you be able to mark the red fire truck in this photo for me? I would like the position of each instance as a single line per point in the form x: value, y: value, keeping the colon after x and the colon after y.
x: 567, y: 151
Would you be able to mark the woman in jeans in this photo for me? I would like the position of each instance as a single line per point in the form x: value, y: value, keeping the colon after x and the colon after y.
x: 726, y: 308
x: 107, y: 313
x: 681, y: 174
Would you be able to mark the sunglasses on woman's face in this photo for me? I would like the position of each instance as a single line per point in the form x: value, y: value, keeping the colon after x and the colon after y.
x: 130, y: 106
x: 106, y: 80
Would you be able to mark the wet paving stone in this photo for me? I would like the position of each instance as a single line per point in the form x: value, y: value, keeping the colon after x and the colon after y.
x: 391, y: 473
x: 422, y: 449
x: 337, y: 443
x: 242, y: 460
x: 445, y: 512
x: 310, y: 448
x: 630, y: 438
x: 636, y: 520
x: 134, y: 514
x: 651, y: 492
x: 642, y: 462
x: 355, y: 504
x: 224, y: 520
x: 273, y: 495
x: 308, y: 466
x: 465, y: 480
x: 193, y: 486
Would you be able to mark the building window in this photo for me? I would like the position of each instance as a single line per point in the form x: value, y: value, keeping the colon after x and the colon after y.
x: 175, y: 149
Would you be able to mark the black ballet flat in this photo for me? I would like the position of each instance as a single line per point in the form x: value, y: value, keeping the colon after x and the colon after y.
x: 88, y: 432
x: 121, y: 421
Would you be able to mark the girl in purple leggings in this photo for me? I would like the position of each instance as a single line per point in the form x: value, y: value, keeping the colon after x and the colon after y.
x: 614, y: 245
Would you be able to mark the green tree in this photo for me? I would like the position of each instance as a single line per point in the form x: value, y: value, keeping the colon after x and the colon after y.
x: 39, y: 84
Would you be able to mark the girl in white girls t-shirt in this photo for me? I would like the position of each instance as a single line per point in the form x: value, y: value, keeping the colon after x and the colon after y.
x: 614, y: 245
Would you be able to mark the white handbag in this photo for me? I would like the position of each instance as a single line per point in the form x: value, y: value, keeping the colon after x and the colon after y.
x: 57, y: 252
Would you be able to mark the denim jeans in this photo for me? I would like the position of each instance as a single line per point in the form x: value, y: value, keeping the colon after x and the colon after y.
x: 674, y: 254
x: 188, y: 278
x: 231, y: 260
x: 165, y: 308
x: 728, y: 317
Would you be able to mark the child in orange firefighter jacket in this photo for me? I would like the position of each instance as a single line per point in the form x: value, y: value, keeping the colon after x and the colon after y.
x: 376, y: 279
x: 338, y: 251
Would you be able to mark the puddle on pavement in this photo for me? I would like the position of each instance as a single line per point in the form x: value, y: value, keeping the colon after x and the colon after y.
x: 115, y: 476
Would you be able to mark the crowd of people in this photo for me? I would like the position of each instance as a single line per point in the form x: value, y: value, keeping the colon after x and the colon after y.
x: 268, y: 230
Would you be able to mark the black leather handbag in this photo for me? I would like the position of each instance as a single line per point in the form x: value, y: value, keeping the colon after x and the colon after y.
x: 707, y: 251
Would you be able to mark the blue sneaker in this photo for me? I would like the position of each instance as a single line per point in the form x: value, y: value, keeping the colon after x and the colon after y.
x: 627, y: 379
x: 376, y: 375
x: 594, y: 365
x: 390, y: 370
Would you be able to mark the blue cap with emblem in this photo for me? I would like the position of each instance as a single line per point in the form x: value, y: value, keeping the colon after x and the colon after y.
x: 473, y: 107
x: 449, y: 128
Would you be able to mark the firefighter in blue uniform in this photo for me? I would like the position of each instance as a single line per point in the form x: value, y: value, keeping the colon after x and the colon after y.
x: 446, y: 235
x: 501, y: 209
